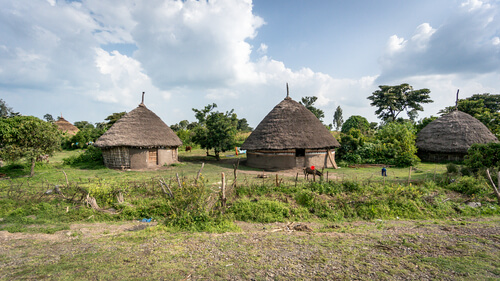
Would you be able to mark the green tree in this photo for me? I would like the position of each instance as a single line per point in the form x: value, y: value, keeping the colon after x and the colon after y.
x: 216, y: 130
x: 49, y: 118
x: 113, y: 118
x: 392, y: 100
x: 397, y: 143
x: 308, y: 102
x: 27, y: 137
x: 338, y: 120
x: 356, y: 122
x: 424, y: 122
x: 243, y: 125
x: 6, y: 111
x: 83, y: 125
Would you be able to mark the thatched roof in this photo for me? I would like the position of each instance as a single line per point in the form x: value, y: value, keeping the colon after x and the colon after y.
x: 454, y: 132
x: 139, y: 128
x: 290, y: 126
x: 65, y: 126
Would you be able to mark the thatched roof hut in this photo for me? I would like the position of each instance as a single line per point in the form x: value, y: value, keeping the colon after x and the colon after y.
x: 140, y: 139
x: 449, y: 137
x: 66, y: 127
x: 290, y: 136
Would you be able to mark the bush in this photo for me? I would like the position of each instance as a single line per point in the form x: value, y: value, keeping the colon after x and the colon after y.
x: 263, y: 210
x: 469, y: 186
x: 90, y: 158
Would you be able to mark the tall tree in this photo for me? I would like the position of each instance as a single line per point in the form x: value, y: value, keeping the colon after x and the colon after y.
x: 49, y: 118
x: 6, y: 111
x: 338, y: 120
x: 308, y: 102
x: 215, y: 130
x: 392, y: 100
x: 83, y: 125
x: 356, y: 122
x: 27, y: 137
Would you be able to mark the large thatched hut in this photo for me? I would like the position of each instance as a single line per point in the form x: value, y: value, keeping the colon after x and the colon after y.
x: 290, y: 136
x: 449, y: 137
x: 66, y: 127
x: 139, y: 140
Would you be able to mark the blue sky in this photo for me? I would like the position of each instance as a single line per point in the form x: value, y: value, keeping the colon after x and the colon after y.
x: 88, y: 59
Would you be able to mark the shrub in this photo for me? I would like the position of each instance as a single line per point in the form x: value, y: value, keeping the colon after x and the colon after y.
x: 263, y: 210
x: 469, y: 185
x: 91, y: 158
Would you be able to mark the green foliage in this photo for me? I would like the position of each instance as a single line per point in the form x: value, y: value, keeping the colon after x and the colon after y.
x: 216, y: 130
x: 349, y: 144
x: 91, y: 158
x: 356, y: 122
x: 113, y: 118
x: 84, y: 137
x: 452, y: 168
x: 483, y: 156
x: 308, y: 102
x: 243, y: 125
x: 6, y: 111
x: 186, y: 136
x: 263, y: 210
x: 27, y: 137
x: 338, y: 120
x: 397, y: 142
x: 392, y: 100
x: 469, y: 186
x: 424, y: 122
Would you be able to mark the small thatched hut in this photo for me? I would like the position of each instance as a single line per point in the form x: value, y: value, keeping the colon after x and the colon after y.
x: 66, y: 127
x: 290, y: 136
x: 139, y: 140
x: 449, y: 137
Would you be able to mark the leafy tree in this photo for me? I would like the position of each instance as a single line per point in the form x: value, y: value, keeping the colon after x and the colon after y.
x: 392, y: 100
x: 113, y: 118
x: 397, y: 143
x: 6, y: 111
x: 350, y: 142
x: 356, y: 122
x: 482, y: 155
x: 83, y: 125
x: 338, y: 120
x: 243, y: 125
x: 27, y: 137
x: 216, y: 130
x: 49, y: 118
x: 308, y: 102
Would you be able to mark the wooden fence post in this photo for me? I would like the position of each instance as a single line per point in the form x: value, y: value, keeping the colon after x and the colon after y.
x: 223, y: 191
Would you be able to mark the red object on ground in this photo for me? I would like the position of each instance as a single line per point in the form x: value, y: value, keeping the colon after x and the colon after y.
x: 312, y: 167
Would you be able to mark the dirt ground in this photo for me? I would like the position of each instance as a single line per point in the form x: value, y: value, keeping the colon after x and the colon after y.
x: 386, y: 250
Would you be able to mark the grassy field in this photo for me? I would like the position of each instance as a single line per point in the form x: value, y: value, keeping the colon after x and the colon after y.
x: 416, y: 223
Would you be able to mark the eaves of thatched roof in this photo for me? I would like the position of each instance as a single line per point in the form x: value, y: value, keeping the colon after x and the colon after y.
x: 139, y: 128
x: 453, y: 133
x: 290, y: 126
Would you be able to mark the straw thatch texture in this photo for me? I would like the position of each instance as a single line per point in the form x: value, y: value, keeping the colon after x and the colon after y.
x: 65, y: 126
x: 453, y: 133
x: 290, y: 126
x: 140, y: 128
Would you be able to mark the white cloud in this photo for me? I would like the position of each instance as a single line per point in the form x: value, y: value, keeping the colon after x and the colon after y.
x: 262, y: 49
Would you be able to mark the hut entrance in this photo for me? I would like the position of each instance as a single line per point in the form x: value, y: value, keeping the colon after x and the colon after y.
x: 300, y: 157
x: 153, y: 156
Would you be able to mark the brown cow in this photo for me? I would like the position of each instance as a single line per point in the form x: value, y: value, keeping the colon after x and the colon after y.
x: 188, y: 148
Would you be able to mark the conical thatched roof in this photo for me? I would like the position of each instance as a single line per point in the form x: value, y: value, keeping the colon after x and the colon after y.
x: 455, y: 132
x: 290, y: 126
x: 139, y: 128
x: 65, y: 126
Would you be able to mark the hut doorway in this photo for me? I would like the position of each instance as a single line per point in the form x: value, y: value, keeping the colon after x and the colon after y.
x: 153, y: 156
x: 300, y: 157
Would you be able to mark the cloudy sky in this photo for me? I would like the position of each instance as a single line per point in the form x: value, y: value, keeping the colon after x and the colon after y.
x: 88, y: 59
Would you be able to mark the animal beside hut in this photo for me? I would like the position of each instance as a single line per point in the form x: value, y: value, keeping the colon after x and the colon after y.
x: 312, y: 171
x: 449, y: 137
x: 290, y: 136
x: 139, y: 140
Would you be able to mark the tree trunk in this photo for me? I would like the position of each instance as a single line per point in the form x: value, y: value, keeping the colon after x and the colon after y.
x: 32, y: 172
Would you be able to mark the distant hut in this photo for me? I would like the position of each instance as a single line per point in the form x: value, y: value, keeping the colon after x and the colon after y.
x: 139, y: 140
x: 66, y: 127
x: 290, y: 136
x: 449, y: 137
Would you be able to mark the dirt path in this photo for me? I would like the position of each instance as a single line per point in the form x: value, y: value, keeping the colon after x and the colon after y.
x: 390, y: 250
